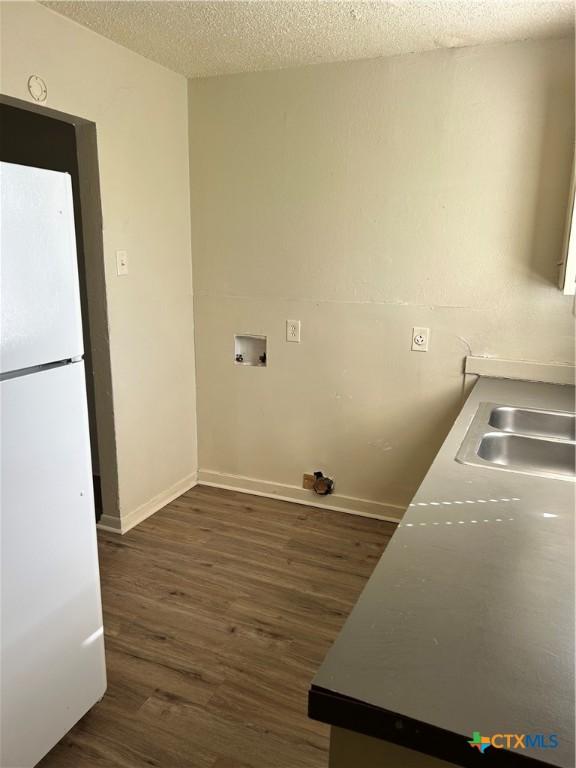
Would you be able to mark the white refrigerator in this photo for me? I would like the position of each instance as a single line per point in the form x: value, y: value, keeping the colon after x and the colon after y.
x: 52, y: 646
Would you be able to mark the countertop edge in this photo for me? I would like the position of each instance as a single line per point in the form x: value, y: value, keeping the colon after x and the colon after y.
x: 341, y: 711
x: 333, y: 707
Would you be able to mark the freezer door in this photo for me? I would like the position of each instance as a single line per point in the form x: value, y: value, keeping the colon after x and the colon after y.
x: 40, y: 320
x: 52, y: 646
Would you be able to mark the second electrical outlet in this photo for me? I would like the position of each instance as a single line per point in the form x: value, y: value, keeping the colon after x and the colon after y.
x: 420, y: 339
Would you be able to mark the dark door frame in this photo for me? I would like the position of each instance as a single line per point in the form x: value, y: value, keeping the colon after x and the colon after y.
x: 93, y: 283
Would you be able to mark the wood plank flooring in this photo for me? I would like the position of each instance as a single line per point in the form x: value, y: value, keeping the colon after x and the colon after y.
x: 218, y: 610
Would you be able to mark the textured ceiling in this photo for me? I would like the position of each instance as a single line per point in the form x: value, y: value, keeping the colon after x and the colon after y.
x: 211, y: 38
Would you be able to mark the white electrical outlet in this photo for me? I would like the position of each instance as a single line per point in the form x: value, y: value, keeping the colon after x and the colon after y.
x: 293, y: 330
x: 122, y: 262
x: 420, y: 339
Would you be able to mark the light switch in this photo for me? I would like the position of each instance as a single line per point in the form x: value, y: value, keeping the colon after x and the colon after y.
x: 293, y: 330
x: 122, y: 262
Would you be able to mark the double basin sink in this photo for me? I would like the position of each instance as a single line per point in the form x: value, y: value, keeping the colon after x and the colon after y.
x: 533, y: 442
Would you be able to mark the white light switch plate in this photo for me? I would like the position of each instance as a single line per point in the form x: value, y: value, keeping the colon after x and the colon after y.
x: 122, y: 262
x: 420, y: 339
x: 293, y: 330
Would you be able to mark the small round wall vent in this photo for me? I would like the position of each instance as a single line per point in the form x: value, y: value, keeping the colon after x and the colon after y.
x: 37, y: 88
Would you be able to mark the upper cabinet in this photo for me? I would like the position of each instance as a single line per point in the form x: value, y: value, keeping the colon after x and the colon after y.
x: 568, y: 265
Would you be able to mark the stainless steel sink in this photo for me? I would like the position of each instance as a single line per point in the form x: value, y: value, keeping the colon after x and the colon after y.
x: 530, y: 454
x: 529, y: 441
x: 526, y: 421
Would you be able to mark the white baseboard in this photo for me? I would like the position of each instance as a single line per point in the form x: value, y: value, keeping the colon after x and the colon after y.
x: 337, y: 503
x: 126, y: 522
x: 525, y: 370
x: 109, y: 523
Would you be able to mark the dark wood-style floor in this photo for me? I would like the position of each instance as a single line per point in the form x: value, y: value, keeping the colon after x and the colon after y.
x: 218, y: 610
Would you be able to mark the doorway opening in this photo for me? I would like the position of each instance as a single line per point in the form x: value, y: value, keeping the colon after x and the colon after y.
x: 43, y: 138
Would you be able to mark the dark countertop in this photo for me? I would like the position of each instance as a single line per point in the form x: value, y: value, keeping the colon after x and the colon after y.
x: 467, y: 623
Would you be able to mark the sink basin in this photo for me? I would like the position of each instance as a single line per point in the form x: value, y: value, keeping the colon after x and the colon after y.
x: 532, y: 422
x: 529, y: 441
x: 530, y: 454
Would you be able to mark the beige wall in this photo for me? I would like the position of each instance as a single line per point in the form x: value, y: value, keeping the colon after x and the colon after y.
x: 141, y: 118
x: 363, y: 199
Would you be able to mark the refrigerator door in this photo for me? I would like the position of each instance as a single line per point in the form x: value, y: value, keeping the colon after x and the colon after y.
x: 52, y: 645
x: 40, y: 320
